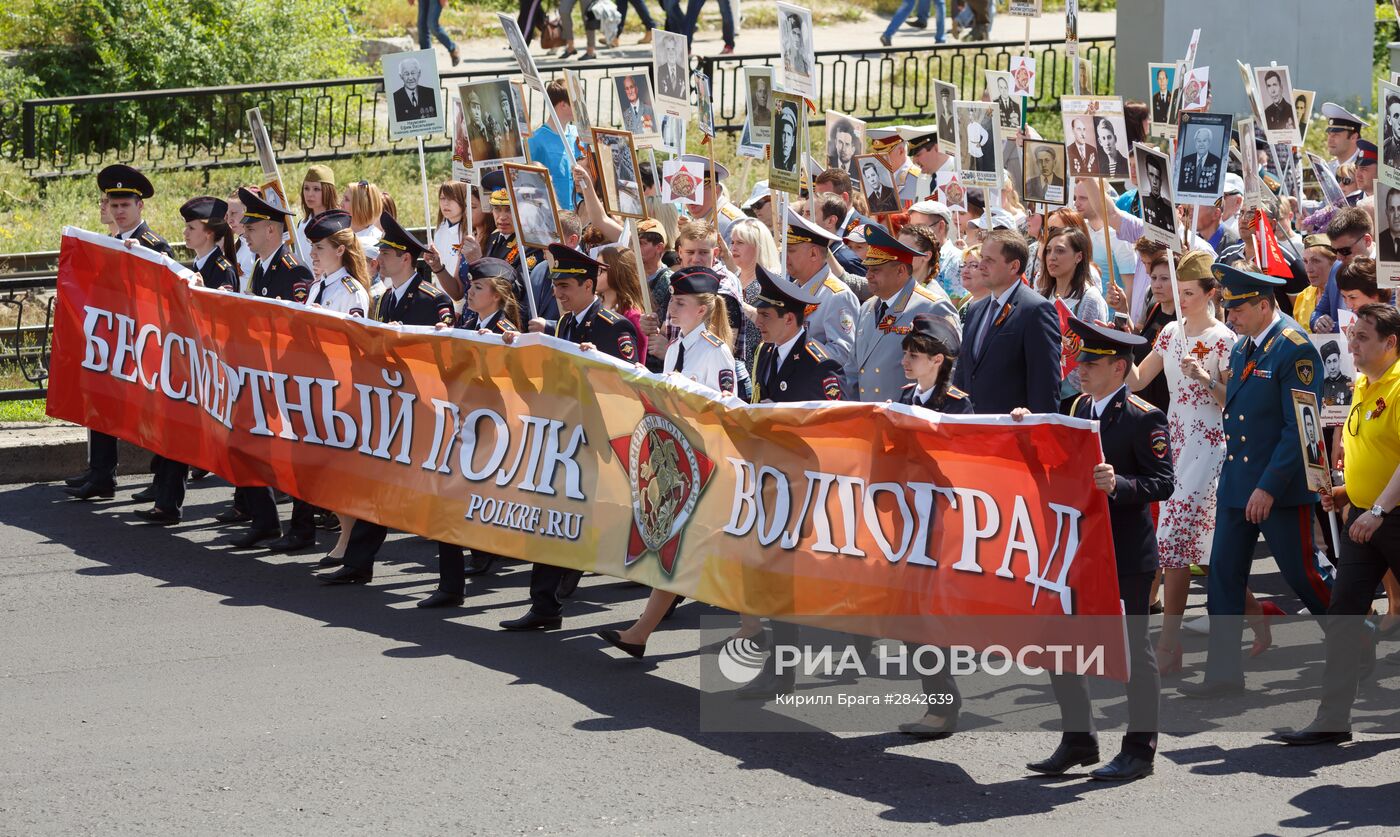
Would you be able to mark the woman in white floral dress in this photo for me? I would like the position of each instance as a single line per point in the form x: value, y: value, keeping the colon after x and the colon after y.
x: 1193, y: 363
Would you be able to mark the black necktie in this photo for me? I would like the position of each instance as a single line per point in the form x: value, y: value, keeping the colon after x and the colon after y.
x: 680, y: 356
x: 880, y: 309
x: 567, y: 332
x: 257, y: 275
x: 320, y: 286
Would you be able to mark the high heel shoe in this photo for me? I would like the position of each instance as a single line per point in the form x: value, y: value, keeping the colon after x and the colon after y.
x: 1169, y: 663
x: 1263, y: 633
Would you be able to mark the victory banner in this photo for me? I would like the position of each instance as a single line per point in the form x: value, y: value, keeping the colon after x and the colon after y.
x: 546, y: 452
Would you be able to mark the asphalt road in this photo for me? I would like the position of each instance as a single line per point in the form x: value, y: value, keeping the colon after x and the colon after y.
x: 153, y: 682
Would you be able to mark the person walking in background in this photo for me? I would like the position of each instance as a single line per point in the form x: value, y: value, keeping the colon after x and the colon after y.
x: 920, y: 9
x: 429, y: 26
x: 648, y: 22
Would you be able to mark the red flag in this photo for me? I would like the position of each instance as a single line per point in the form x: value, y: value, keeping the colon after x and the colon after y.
x: 1069, y: 341
x: 1271, y: 258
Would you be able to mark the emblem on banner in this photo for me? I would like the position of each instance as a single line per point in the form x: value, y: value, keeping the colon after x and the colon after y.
x: 667, y: 475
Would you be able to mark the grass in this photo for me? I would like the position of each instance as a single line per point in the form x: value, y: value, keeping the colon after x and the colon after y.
x: 25, y: 411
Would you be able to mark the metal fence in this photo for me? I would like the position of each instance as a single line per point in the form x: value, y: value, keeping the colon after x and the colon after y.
x: 337, y: 118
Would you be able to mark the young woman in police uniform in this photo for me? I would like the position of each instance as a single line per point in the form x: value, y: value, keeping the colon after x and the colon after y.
x: 701, y: 355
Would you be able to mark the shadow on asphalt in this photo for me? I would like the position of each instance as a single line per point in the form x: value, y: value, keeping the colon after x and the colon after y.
x: 905, y: 777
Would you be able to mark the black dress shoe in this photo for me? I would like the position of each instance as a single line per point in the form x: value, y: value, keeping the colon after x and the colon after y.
x: 330, y: 561
x: 928, y: 732
x: 442, y: 598
x: 1125, y: 767
x: 533, y: 621
x: 292, y: 543
x: 480, y: 564
x: 569, y: 583
x: 197, y: 474
x: 74, y: 482
x: 89, y: 490
x: 1207, y: 689
x: 248, y: 540
x: 347, y: 575
x: 145, y: 495
x: 157, y: 515
x: 675, y: 603
x: 1065, y: 757
x: 1314, y: 734
x: 766, y: 686
x: 613, y: 638
x: 232, y: 516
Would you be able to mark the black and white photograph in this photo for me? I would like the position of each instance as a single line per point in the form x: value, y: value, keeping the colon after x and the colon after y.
x: 1338, y: 376
x: 758, y: 82
x: 1316, y: 468
x: 1155, y: 197
x: 1162, y: 84
x: 979, y: 160
x: 1202, y: 143
x: 1303, y: 108
x: 1388, y: 105
x: 673, y: 131
x: 267, y: 160
x: 671, y: 60
x: 521, y: 51
x: 845, y: 140
x: 1249, y: 162
x: 877, y: 184
x: 411, y: 81
x: 1274, y: 89
x: 577, y: 89
x: 945, y: 94
x: 789, y: 126
x: 620, y: 173
x: 461, y: 147
x: 533, y: 204
x: 796, y: 46
x: 638, y: 114
x: 999, y: 84
x: 520, y: 103
x: 1095, y: 137
x: 704, y: 105
x: 1326, y: 180
x: 1044, y: 173
x: 1387, y: 236
x: 493, y: 127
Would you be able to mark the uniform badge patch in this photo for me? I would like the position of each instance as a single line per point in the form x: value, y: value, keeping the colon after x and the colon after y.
x: 831, y: 386
x: 626, y: 346
x: 1304, y: 368
x: 726, y: 381
x: 782, y: 386
x: 1159, y: 444
x: 848, y: 323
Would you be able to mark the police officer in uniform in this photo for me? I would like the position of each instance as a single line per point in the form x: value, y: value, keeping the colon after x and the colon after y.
x: 127, y: 190
x: 277, y: 274
x: 337, y: 290
x: 1263, y: 487
x: 582, y: 320
x: 503, y: 243
x: 410, y: 300
x: 788, y: 367
x: 495, y: 322
x: 215, y: 269
x: 932, y: 335
x: 831, y: 320
x: 888, y: 315
x: 1136, y: 472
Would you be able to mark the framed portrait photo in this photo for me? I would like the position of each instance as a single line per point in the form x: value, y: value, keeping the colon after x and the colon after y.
x: 979, y: 157
x: 620, y: 173
x: 758, y: 88
x: 795, y: 43
x: 945, y: 94
x: 520, y: 50
x: 638, y: 112
x: 1273, y: 88
x: 789, y: 126
x: 671, y: 63
x: 1203, y: 146
x: 1158, y: 209
x: 1310, y: 430
x: 845, y: 140
x: 1044, y: 174
x: 415, y: 101
x: 493, y: 127
x: 1095, y: 136
x: 1161, y: 85
x: 877, y: 184
x: 533, y: 205
x: 1008, y: 107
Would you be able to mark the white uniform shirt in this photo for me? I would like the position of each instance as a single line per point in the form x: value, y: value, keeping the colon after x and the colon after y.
x: 339, y: 292
x: 302, y: 244
x: 447, y: 238
x: 708, y: 361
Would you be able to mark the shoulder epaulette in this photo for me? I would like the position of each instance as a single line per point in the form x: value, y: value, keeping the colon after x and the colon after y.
x: 926, y: 293
x: 222, y: 263
x: 1074, y: 408
x: 815, y: 351
x: 1294, y: 336
x: 711, y: 339
x: 608, y: 316
x: 289, y: 260
x: 149, y: 238
x: 954, y: 392
x: 348, y: 283
x: 1142, y: 405
x: 731, y: 211
x: 836, y: 285
x: 907, y: 386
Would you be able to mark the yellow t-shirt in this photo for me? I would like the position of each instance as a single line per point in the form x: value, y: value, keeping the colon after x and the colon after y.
x: 1372, y: 437
x: 1303, y: 306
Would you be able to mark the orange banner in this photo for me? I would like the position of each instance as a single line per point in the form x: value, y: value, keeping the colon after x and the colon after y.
x: 544, y: 452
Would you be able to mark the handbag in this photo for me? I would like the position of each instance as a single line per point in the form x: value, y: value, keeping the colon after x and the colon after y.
x: 551, y: 31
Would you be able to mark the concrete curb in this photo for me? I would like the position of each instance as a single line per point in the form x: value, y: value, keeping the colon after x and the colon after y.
x: 47, y: 452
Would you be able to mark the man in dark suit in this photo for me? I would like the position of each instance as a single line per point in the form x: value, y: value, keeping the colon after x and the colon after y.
x: 1156, y: 209
x: 583, y: 320
x: 411, y: 101
x: 1388, y: 242
x: 1136, y: 472
x: 1200, y: 169
x: 879, y: 197
x: 670, y: 74
x: 1162, y: 97
x: 1082, y: 155
x: 1011, y: 343
x: 1045, y: 186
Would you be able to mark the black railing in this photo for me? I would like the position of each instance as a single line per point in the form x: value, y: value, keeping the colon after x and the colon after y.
x: 337, y: 118
x: 24, y: 343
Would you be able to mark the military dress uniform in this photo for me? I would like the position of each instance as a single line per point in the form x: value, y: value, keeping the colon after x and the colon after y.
x: 831, y: 320
x: 215, y: 271
x: 798, y: 370
x: 100, y: 479
x: 952, y: 400
x: 1134, y: 437
x: 416, y: 302
x: 883, y: 323
x: 1261, y: 452
x: 612, y: 334
x: 700, y: 356
x: 337, y: 290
